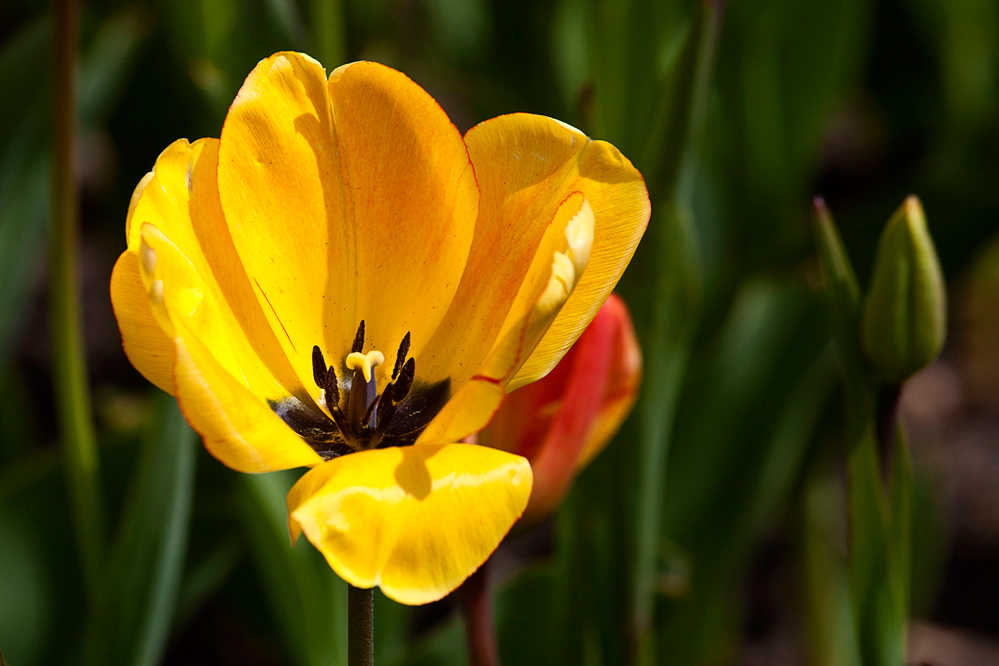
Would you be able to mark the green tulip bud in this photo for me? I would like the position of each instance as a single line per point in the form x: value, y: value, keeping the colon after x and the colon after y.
x: 904, y: 320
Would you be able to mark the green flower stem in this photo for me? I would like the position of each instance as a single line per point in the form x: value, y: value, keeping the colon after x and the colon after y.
x: 69, y: 362
x: 887, y: 415
x: 476, y: 605
x: 879, y: 530
x: 360, y: 626
x: 327, y: 33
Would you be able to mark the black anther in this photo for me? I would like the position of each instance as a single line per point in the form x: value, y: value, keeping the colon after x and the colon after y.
x: 400, y: 357
x: 341, y: 422
x: 400, y: 387
x: 318, y: 367
x: 332, y: 390
x: 358, y: 339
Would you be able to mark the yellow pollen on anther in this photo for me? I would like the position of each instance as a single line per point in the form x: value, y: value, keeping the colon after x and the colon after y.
x: 365, y: 362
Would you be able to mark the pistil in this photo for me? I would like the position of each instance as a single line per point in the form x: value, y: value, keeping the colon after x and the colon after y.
x: 363, y: 392
x: 365, y: 418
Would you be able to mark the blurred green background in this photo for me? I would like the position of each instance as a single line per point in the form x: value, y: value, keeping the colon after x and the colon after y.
x: 712, y: 530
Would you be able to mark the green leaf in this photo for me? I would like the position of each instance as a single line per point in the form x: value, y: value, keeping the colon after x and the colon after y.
x: 206, y: 577
x: 107, y: 63
x: 786, y: 69
x: 308, y: 600
x: 626, y: 40
x: 880, y: 552
x: 284, y: 15
x: 743, y: 433
x: 23, y: 65
x: 868, y: 534
x: 676, y: 313
x: 787, y: 447
x: 678, y: 294
x: 839, y: 283
x: 25, y: 589
x: 682, y: 101
x: 146, y: 562
x: 24, y: 174
x: 24, y: 160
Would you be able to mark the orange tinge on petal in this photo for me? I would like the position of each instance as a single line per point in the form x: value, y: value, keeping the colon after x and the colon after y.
x: 331, y: 201
x: 560, y: 423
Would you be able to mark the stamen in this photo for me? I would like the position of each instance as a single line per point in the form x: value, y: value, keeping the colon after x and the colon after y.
x: 400, y: 388
x: 362, y: 416
x: 358, y: 339
x: 400, y: 357
x: 332, y: 390
x: 364, y: 362
x: 391, y: 397
x: 333, y: 405
x: 318, y: 367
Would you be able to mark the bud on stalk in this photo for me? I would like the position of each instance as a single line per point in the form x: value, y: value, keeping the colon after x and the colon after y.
x: 904, y: 319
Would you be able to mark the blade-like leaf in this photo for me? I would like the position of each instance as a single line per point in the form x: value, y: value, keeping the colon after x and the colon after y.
x: 676, y: 312
x: 24, y: 162
x: 676, y: 300
x: 24, y: 174
x: 146, y: 563
x: 307, y: 599
x: 106, y: 64
x: 207, y: 576
x: 743, y: 433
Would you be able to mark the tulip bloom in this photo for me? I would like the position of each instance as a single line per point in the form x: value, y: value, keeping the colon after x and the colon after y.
x: 345, y: 219
x: 561, y: 422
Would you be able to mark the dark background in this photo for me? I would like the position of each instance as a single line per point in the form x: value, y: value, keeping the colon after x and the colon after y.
x: 862, y: 102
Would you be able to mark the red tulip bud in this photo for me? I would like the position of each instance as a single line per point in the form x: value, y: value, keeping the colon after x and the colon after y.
x: 560, y: 423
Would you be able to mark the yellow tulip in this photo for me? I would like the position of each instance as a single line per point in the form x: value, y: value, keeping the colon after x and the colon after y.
x: 347, y: 220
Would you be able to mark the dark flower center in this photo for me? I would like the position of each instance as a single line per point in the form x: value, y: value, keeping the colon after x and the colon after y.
x: 363, y: 418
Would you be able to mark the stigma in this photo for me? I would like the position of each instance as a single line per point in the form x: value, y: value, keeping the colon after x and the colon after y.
x: 360, y: 412
x: 364, y: 362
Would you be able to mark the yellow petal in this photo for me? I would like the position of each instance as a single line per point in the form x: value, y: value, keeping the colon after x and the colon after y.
x: 527, y: 166
x: 416, y: 520
x: 134, y: 201
x: 347, y: 201
x: 560, y: 259
x: 278, y: 183
x: 238, y: 428
x: 146, y: 346
x: 179, y: 290
x: 180, y: 204
x: 556, y: 270
x: 233, y: 416
x: 621, y: 209
x: 414, y: 200
x: 467, y: 412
